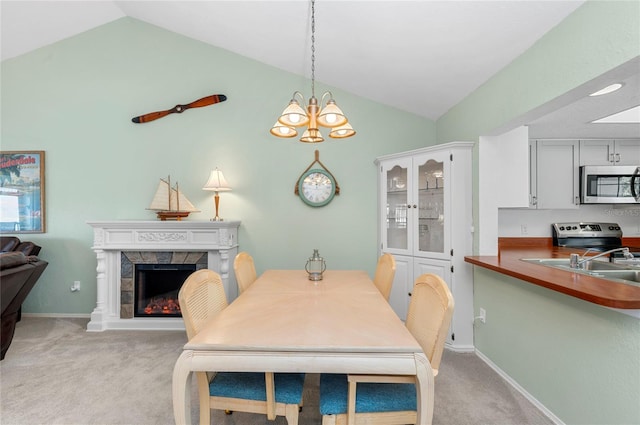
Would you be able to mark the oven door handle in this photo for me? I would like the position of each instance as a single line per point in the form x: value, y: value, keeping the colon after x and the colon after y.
x: 635, y: 176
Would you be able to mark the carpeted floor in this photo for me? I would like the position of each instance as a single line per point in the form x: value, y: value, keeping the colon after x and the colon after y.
x: 57, y: 373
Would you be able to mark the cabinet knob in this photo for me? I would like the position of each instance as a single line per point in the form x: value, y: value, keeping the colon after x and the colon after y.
x: 409, y: 294
x: 415, y: 206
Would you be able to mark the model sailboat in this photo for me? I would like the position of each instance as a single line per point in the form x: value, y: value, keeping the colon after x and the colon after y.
x: 169, y: 203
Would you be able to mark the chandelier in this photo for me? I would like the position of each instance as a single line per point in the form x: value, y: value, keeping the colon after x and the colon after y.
x: 325, y: 114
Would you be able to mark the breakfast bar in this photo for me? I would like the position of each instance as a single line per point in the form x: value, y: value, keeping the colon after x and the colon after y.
x: 509, y: 261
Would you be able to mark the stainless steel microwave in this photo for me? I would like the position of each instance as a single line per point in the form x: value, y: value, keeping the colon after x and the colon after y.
x: 610, y: 184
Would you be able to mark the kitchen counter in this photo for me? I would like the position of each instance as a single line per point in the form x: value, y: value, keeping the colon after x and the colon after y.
x: 599, y: 291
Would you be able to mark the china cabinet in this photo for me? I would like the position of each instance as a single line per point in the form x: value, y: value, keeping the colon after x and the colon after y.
x: 426, y: 221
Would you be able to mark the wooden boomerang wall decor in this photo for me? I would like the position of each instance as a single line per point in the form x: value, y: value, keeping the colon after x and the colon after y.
x: 178, y: 109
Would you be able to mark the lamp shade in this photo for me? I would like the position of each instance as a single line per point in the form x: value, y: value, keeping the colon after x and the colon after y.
x: 312, y: 135
x: 331, y: 115
x: 342, y: 132
x: 216, y: 182
x: 294, y: 115
x: 282, y: 130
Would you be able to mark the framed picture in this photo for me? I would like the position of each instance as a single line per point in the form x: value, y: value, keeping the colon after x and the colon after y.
x: 22, y: 192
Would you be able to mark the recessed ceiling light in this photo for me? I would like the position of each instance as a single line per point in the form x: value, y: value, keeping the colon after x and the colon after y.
x: 607, y: 90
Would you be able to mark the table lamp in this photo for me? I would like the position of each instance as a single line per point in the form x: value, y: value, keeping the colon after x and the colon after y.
x: 217, y: 183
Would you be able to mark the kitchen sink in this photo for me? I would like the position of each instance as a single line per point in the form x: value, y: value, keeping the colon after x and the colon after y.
x: 564, y: 263
x: 630, y: 275
x: 624, y: 273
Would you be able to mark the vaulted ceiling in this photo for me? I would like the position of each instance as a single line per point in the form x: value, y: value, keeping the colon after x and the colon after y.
x: 422, y: 57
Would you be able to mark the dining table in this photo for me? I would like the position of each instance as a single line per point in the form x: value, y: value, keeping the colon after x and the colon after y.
x: 285, y: 322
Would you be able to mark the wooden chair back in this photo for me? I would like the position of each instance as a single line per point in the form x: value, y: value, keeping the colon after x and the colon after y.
x: 201, y: 297
x: 245, y: 271
x: 385, y: 272
x: 429, y: 316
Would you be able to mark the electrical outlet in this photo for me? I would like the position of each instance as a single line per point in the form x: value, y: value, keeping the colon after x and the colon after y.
x: 523, y: 229
x: 76, y: 286
x: 483, y: 315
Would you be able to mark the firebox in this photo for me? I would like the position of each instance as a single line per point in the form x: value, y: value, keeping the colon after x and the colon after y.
x: 157, y: 287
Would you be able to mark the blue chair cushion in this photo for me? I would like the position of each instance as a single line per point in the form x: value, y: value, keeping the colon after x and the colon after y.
x: 251, y: 386
x: 370, y: 397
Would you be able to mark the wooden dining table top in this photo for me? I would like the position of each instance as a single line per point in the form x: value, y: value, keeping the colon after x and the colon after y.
x: 285, y: 311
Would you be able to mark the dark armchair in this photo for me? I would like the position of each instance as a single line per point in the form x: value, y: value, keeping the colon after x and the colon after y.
x: 20, y: 269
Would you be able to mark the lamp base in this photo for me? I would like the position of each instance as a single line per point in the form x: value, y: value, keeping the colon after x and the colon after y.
x: 216, y: 200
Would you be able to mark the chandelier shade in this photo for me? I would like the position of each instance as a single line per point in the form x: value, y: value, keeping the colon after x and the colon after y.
x: 282, y: 130
x: 331, y: 116
x: 342, y: 131
x: 326, y: 114
x: 294, y: 115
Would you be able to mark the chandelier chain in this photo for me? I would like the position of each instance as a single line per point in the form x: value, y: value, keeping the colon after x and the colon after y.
x: 313, y: 48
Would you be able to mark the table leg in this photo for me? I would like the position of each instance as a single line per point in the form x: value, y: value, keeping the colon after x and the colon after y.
x: 425, y: 389
x: 181, y: 386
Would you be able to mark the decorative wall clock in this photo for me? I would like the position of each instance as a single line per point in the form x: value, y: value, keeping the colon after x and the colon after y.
x: 317, y: 186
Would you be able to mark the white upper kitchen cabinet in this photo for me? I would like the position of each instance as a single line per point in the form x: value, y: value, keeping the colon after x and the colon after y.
x: 610, y: 152
x: 555, y: 171
x: 425, y: 220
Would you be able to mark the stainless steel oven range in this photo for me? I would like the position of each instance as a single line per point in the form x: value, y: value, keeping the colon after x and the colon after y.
x: 595, y: 236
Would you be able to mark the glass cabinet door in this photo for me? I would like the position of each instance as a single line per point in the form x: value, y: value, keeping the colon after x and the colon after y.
x: 431, y: 181
x: 397, y: 201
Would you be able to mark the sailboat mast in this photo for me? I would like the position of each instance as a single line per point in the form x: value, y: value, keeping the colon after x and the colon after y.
x: 169, y: 190
x: 177, y: 197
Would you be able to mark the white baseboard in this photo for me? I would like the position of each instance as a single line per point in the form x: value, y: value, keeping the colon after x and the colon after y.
x: 460, y: 348
x: 521, y: 390
x: 58, y: 315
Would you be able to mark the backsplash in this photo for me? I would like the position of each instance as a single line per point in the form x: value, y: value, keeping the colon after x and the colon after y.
x: 523, y: 222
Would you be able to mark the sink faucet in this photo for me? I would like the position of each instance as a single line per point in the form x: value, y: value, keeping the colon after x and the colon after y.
x: 577, y: 262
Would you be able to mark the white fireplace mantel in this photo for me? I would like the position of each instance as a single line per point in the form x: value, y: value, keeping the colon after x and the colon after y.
x: 219, y: 239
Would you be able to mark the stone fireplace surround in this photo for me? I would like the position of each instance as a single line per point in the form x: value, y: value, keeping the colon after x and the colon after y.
x: 119, y: 245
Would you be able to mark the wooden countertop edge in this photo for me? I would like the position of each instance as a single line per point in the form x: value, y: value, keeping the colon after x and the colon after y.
x: 588, y: 288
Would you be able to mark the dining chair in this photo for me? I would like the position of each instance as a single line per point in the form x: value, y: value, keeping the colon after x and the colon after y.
x: 201, y: 298
x: 391, y: 400
x: 385, y: 272
x: 245, y: 271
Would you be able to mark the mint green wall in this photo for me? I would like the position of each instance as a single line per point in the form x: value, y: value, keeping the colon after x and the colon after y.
x: 75, y: 100
x: 580, y: 360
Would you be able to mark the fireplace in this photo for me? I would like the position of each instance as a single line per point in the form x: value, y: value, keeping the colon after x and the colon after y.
x: 156, y: 289
x: 123, y: 248
x: 150, y: 281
